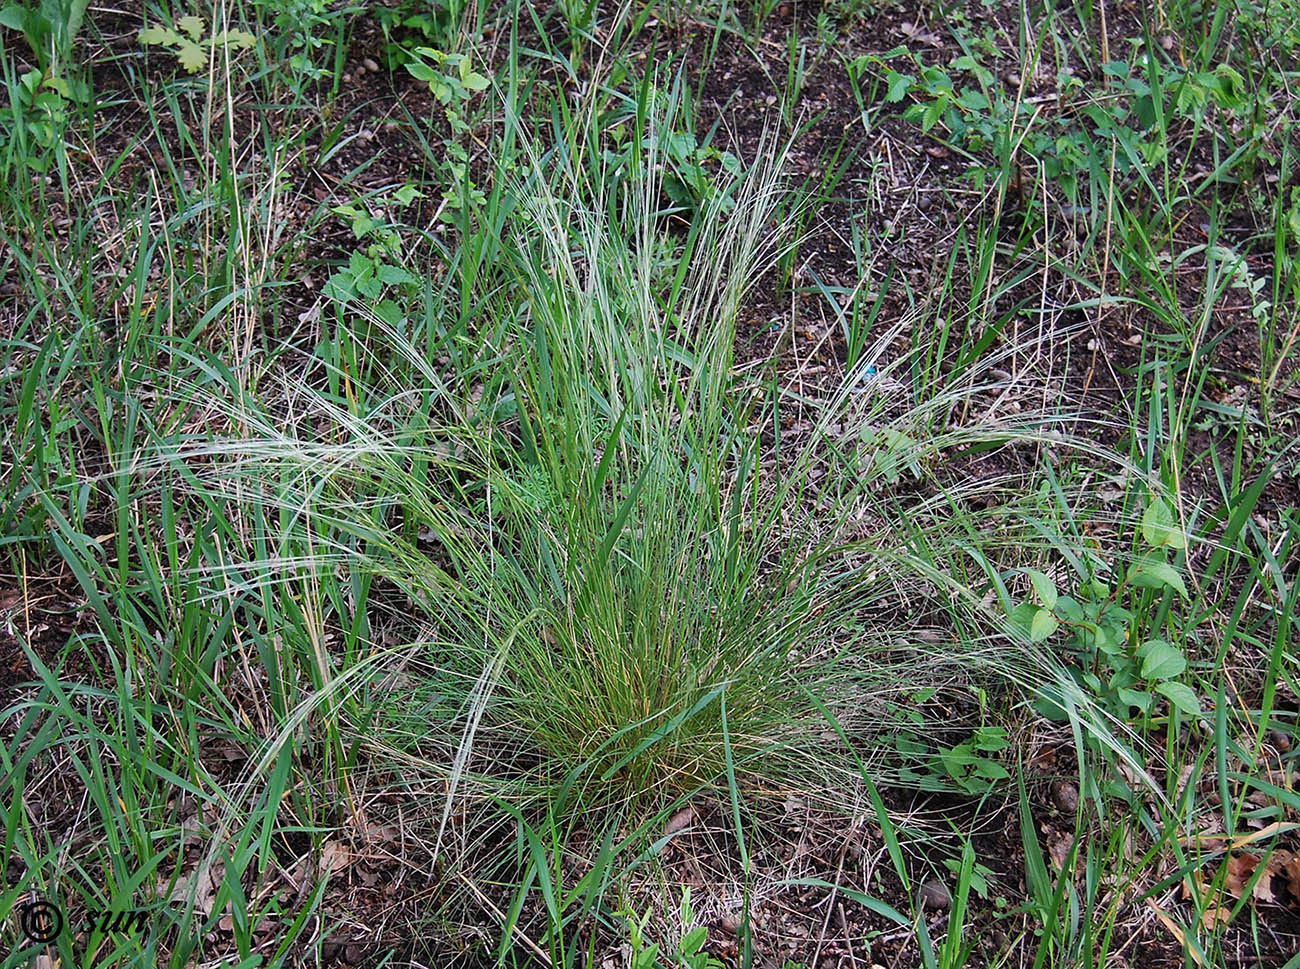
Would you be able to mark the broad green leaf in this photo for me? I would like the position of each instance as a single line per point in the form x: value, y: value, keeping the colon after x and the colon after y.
x: 1160, y: 527
x: 1068, y: 609
x: 406, y: 194
x: 1044, y: 587
x: 476, y: 82
x: 1161, y: 661
x: 1135, y: 698
x: 1042, y: 626
x: 14, y: 17
x: 1021, y: 618
x: 423, y: 72
x: 1107, y: 638
x: 1180, y: 695
x: 1153, y: 574
x: 396, y: 275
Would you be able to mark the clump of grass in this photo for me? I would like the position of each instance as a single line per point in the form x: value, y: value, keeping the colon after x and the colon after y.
x: 638, y: 581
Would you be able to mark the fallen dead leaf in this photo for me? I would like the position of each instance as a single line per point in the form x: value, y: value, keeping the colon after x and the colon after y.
x: 680, y: 820
x: 1240, y: 868
x: 202, y: 886
x: 334, y: 857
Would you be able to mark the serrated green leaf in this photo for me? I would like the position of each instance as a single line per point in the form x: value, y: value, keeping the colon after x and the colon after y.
x: 233, y: 39
x: 1160, y: 660
x: 158, y: 35
x: 1180, y: 695
x: 396, y: 275
x: 192, y: 57
x: 1044, y: 587
x: 898, y: 86
x: 192, y: 26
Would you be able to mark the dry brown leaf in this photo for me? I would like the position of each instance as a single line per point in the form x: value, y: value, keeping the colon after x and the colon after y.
x: 1059, y: 848
x: 680, y: 820
x: 202, y: 885
x: 334, y: 857
x: 1277, y: 864
x: 1243, y: 866
x: 1293, y: 877
x: 1240, y: 868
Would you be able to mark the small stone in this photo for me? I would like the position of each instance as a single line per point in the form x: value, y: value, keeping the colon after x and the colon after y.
x: 1066, y: 796
x: 370, y: 65
x: 783, y: 10
x: 1167, y: 41
x: 347, y: 78
x: 730, y: 922
x: 360, y: 72
x: 935, y: 895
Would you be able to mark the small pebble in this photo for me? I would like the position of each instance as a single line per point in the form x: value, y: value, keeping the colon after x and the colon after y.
x: 1066, y: 796
x: 360, y: 71
x: 935, y: 895
x: 370, y: 65
x: 1167, y: 41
